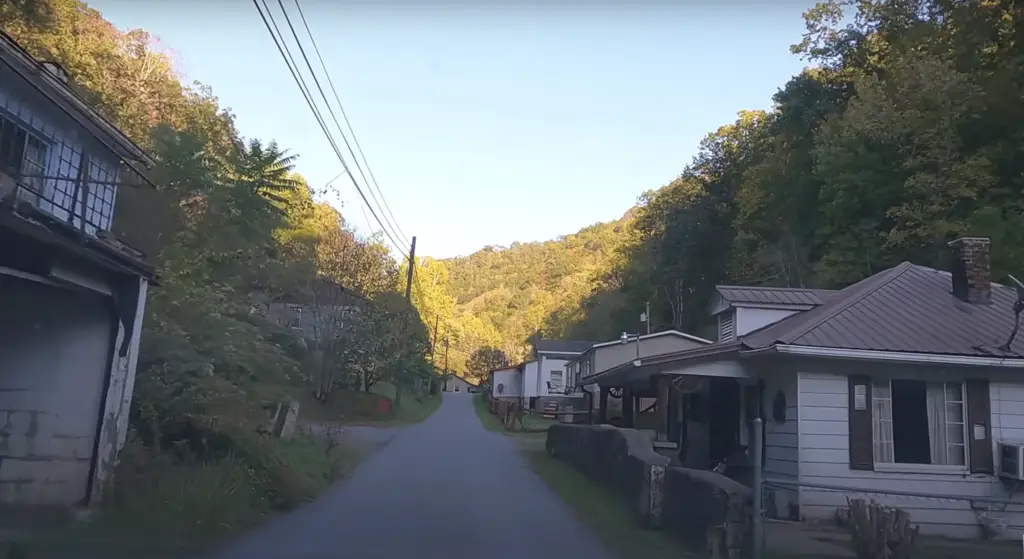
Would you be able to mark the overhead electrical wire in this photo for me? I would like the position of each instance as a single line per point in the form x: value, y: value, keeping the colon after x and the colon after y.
x: 352, y: 132
x: 323, y: 95
x: 282, y: 48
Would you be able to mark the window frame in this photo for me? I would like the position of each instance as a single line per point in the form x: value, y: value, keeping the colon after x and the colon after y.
x: 556, y: 388
x: 44, y: 146
x: 902, y: 467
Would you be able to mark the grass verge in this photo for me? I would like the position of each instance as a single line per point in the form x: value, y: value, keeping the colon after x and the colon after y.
x: 351, y: 407
x: 162, y: 507
x: 487, y: 419
x: 603, y: 512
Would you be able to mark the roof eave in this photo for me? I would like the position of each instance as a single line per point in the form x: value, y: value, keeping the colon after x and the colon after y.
x: 69, y: 100
x: 889, y: 356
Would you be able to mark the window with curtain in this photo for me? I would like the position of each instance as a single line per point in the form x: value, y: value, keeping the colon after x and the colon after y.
x: 919, y: 422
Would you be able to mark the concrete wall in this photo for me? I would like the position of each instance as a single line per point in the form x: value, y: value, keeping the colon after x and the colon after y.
x: 54, y: 360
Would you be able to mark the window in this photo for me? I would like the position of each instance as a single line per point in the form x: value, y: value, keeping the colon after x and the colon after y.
x: 22, y: 156
x: 918, y: 422
x: 556, y: 382
x: 294, y: 319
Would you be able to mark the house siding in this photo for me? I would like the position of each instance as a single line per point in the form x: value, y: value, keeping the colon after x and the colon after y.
x: 824, y: 459
x: 749, y: 319
x: 782, y: 441
x: 545, y: 366
x: 64, y: 153
x: 512, y: 381
x: 530, y: 380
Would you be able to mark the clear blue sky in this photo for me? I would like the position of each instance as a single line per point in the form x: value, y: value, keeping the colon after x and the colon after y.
x: 487, y: 124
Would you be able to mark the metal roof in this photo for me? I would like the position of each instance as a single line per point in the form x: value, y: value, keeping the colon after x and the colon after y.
x: 561, y: 346
x: 907, y: 308
x: 773, y: 295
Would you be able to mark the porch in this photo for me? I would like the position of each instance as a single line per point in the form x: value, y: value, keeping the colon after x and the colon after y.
x: 697, y: 412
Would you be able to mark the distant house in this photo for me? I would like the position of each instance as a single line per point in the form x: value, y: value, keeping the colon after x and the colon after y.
x: 319, y: 313
x: 907, y: 381
x: 72, y: 295
x: 455, y: 383
x: 604, y: 356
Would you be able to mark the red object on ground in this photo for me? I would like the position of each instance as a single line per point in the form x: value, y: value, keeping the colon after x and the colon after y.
x: 383, y: 407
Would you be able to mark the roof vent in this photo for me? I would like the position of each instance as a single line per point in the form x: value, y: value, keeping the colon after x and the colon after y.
x: 56, y: 70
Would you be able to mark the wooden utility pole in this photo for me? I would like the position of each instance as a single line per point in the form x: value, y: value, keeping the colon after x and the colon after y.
x: 433, y: 344
x: 405, y: 328
x: 446, y: 356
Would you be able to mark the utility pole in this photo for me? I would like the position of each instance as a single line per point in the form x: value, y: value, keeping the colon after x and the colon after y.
x: 412, y: 264
x: 433, y: 356
x: 446, y: 356
x: 405, y: 327
x: 433, y: 344
x: 648, y: 316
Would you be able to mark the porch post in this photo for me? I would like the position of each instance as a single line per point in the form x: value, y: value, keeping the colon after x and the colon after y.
x: 628, y: 409
x: 664, y: 393
x: 602, y: 412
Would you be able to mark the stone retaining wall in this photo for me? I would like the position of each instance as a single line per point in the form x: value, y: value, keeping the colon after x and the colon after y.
x: 696, y: 506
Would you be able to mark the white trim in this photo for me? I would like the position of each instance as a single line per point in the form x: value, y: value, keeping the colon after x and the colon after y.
x: 901, y: 468
x: 775, y: 306
x: 677, y: 333
x: 546, y: 352
x: 898, y: 356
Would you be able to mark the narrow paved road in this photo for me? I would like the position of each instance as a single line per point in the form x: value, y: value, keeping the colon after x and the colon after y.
x: 444, y: 488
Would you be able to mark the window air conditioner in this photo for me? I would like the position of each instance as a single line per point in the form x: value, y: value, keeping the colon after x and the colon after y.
x: 1011, y: 461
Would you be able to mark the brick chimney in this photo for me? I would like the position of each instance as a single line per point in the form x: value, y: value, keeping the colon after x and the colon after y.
x: 972, y: 274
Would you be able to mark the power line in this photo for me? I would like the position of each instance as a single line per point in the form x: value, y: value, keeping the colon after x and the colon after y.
x: 271, y: 25
x: 344, y: 116
x: 330, y: 111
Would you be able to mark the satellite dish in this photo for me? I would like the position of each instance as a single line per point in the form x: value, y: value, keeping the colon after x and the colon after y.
x: 1020, y: 287
x: 501, y: 387
x: 1018, y: 307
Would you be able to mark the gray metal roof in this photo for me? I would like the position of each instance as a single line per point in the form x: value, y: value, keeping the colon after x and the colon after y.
x: 907, y: 308
x: 773, y: 295
x: 561, y: 346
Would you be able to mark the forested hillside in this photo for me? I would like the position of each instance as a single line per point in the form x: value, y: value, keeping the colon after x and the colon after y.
x: 500, y: 296
x: 236, y: 228
x: 906, y: 131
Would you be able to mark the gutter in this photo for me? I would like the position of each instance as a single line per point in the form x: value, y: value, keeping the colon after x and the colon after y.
x: 891, y: 356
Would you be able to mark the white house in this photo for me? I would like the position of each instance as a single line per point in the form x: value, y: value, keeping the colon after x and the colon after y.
x: 72, y: 296
x: 551, y: 357
x: 455, y: 383
x: 605, y: 356
x: 906, y: 382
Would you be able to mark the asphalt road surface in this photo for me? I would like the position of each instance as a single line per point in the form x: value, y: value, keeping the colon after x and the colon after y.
x: 444, y: 488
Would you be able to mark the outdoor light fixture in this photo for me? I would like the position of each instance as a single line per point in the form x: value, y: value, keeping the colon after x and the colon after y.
x: 625, y: 339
